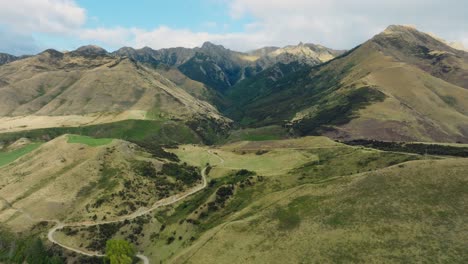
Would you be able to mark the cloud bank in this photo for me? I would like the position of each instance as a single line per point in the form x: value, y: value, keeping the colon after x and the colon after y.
x: 333, y: 23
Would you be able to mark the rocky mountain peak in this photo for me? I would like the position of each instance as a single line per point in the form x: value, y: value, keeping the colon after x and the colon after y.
x: 90, y: 50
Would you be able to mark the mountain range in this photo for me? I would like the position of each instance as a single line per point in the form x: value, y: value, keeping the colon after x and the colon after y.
x: 402, y: 85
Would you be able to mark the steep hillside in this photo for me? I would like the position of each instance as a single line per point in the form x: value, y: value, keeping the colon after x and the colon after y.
x: 88, y: 86
x: 373, y: 91
x: 425, y: 51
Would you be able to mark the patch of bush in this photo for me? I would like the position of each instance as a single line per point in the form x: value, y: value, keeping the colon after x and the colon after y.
x: 144, y: 168
x: 418, y: 148
x: 223, y: 193
x: 157, y: 150
x: 183, y: 172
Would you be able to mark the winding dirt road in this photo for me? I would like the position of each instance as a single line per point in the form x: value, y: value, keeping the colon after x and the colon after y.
x: 142, y: 211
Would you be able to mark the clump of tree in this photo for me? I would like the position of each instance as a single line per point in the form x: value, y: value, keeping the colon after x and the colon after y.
x: 183, y: 172
x: 418, y: 148
x: 157, y: 150
x: 119, y: 252
x: 144, y: 168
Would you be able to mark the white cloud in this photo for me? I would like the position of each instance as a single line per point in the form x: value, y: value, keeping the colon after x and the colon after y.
x: 334, y: 23
x: 17, y: 44
x: 46, y: 16
x: 343, y: 24
x: 114, y: 37
x: 165, y: 37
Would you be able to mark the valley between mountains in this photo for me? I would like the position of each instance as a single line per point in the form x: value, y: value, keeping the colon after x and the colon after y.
x: 296, y: 154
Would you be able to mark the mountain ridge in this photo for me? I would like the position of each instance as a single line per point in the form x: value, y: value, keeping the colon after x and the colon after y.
x: 365, y: 93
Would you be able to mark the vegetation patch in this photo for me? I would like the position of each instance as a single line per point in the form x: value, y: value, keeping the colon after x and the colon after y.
x: 92, y: 142
x: 20, y: 249
x: 288, y: 218
x: 156, y: 131
x: 144, y: 168
x: 419, y: 148
x: 189, y: 175
x: 7, y: 157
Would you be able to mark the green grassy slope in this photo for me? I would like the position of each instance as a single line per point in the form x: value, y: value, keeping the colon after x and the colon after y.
x: 159, y: 132
x: 92, y: 142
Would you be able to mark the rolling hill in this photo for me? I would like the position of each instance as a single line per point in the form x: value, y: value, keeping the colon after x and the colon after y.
x: 75, y: 178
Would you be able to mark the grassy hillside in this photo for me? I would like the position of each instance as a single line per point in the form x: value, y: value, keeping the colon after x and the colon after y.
x: 277, y: 196
x: 95, y: 179
x: 410, y: 213
x: 352, y: 204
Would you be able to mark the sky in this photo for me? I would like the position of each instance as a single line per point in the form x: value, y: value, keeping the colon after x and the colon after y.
x: 30, y: 26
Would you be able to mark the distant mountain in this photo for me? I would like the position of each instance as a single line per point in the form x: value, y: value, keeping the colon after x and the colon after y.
x: 401, y: 85
x: 310, y: 54
x: 6, y: 58
x: 170, y: 57
x: 221, y: 68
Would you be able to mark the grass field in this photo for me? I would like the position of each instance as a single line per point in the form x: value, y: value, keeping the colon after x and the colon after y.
x: 273, y: 162
x: 92, y: 142
x: 10, y: 156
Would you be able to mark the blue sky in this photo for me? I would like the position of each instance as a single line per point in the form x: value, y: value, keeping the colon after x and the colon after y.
x: 195, y: 15
x: 30, y: 26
